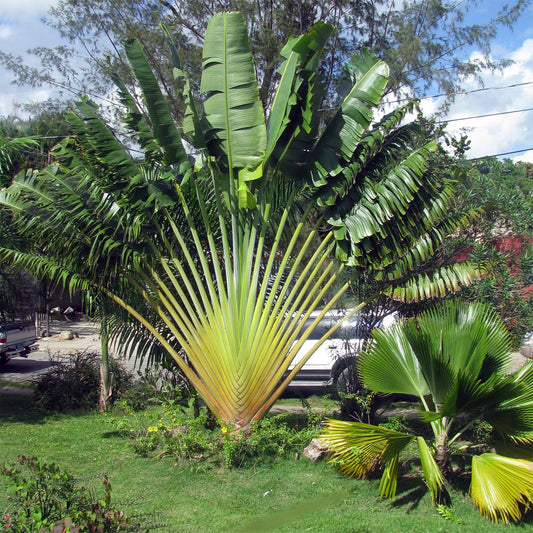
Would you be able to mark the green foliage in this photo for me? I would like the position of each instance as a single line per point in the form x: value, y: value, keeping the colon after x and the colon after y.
x: 395, y: 423
x: 500, y: 241
x: 72, y: 383
x: 208, y: 256
x: 173, y: 431
x: 270, y: 438
x: 455, y: 358
x: 504, y: 288
x: 447, y: 513
x: 42, y: 497
x: 359, y: 405
x: 155, y: 385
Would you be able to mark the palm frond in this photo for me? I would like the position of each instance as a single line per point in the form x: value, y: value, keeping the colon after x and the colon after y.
x: 501, y: 487
x: 235, y: 124
x: 338, y: 142
x: 391, y: 350
x: 294, y: 120
x: 436, y: 284
x: 432, y: 473
x: 357, y: 448
x: 162, y: 122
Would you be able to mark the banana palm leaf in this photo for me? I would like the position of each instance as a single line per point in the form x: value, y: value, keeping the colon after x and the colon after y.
x: 301, y: 58
x: 294, y: 120
x: 338, y: 142
x: 163, y: 125
x: 436, y: 283
x: 377, y: 149
x: 136, y: 122
x: 235, y: 125
x: 103, y: 153
x: 192, y: 129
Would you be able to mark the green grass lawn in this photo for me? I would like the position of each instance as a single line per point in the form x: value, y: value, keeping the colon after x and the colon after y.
x: 287, y: 495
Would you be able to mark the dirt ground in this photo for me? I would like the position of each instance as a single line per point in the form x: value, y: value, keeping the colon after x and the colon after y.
x: 85, y: 333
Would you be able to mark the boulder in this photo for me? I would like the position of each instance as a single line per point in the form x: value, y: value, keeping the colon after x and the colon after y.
x: 66, y: 336
x: 316, y: 450
x: 527, y: 350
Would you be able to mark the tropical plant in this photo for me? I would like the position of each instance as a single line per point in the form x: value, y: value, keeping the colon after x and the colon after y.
x: 455, y: 359
x: 11, y: 151
x: 211, y: 256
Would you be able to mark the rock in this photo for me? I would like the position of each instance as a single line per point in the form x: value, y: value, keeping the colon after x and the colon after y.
x: 316, y: 450
x: 527, y: 350
x: 66, y: 336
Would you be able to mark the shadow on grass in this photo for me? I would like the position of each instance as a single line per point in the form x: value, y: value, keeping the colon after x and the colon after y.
x: 16, y: 405
x: 410, y: 492
x: 117, y: 434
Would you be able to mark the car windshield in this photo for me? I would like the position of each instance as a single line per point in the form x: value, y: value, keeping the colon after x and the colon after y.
x: 345, y: 331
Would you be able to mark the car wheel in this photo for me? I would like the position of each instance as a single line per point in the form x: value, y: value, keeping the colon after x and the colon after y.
x: 347, y: 381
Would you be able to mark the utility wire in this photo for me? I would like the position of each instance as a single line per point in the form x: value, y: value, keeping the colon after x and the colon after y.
x: 456, y: 93
x: 463, y: 93
x: 445, y: 121
x: 500, y: 155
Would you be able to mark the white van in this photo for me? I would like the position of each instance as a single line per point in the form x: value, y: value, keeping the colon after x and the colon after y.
x: 332, y: 365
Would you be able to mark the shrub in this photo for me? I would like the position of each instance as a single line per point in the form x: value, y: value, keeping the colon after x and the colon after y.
x: 43, y: 498
x: 270, y: 438
x: 174, y: 431
x: 157, y: 385
x: 72, y: 383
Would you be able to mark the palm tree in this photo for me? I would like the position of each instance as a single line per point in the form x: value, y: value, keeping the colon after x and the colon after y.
x: 203, y: 247
x: 455, y: 359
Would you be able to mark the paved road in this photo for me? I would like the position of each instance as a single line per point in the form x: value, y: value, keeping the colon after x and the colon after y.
x: 52, y: 349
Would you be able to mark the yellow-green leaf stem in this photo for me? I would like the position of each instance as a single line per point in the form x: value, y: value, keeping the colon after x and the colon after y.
x: 432, y: 474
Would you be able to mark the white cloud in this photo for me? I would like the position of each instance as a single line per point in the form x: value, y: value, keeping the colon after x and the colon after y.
x: 11, y: 99
x: 16, y: 9
x: 503, y: 132
x: 526, y: 157
x: 5, y: 31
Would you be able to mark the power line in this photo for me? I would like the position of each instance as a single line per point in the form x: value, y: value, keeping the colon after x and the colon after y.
x: 501, y: 154
x: 461, y: 93
x: 445, y: 121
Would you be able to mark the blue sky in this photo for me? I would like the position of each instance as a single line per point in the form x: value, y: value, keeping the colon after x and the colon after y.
x: 21, y: 28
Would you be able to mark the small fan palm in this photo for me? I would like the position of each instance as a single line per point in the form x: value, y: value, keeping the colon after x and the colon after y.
x: 207, y: 254
x: 456, y: 360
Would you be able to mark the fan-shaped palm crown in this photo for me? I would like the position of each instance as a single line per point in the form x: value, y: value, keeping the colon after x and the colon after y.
x: 455, y: 359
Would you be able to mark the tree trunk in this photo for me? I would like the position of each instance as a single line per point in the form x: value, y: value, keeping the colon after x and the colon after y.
x: 106, y: 378
x: 444, y: 462
x: 442, y: 455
